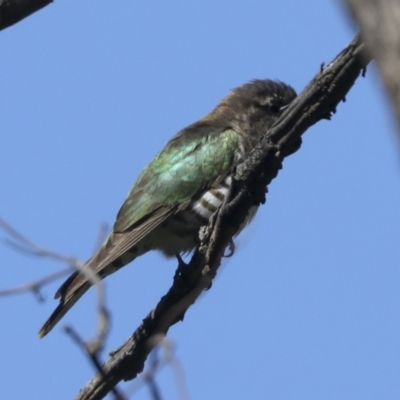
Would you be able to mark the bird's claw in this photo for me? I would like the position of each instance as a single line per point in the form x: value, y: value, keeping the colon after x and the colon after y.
x: 232, y: 248
x: 182, y: 270
x: 181, y: 263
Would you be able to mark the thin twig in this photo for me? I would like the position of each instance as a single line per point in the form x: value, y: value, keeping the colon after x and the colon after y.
x: 21, y: 243
x: 169, y: 354
x: 35, y: 286
x: 163, y: 355
x: 153, y: 387
x: 92, y: 355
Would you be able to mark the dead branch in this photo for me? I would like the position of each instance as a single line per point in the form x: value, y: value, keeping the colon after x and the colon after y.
x: 12, y: 11
x: 318, y: 101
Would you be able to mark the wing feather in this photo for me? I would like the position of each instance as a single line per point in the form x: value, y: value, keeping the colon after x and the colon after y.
x: 187, y: 166
x: 117, y: 244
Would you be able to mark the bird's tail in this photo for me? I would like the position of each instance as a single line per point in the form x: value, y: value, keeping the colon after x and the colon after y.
x: 105, y: 262
x: 65, y: 304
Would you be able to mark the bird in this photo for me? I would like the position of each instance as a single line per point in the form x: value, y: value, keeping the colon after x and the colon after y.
x: 182, y: 186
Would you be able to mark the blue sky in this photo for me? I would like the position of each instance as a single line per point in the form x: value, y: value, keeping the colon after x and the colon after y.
x: 308, y: 307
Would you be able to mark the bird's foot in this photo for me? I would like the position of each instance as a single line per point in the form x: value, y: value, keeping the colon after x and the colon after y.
x: 181, y: 263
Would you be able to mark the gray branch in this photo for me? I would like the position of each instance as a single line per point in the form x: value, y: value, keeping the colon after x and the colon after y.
x: 379, y: 23
x: 318, y: 101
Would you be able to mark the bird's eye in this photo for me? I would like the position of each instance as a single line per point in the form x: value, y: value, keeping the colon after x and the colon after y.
x: 274, y: 108
x: 270, y: 105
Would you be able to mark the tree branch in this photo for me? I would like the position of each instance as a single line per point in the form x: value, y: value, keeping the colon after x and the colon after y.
x: 316, y: 102
x: 12, y: 11
x: 379, y: 23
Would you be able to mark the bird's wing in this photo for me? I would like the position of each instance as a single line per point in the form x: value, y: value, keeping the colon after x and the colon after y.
x: 180, y: 171
x: 186, y: 166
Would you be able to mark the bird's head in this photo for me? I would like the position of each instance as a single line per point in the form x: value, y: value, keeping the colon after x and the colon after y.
x: 250, y: 110
x: 253, y: 107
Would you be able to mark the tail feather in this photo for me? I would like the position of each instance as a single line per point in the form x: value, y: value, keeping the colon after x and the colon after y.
x: 105, y: 262
x: 62, y: 309
x: 64, y: 287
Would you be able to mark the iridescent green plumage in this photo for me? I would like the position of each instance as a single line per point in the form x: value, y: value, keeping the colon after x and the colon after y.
x: 179, y: 172
x: 181, y: 188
